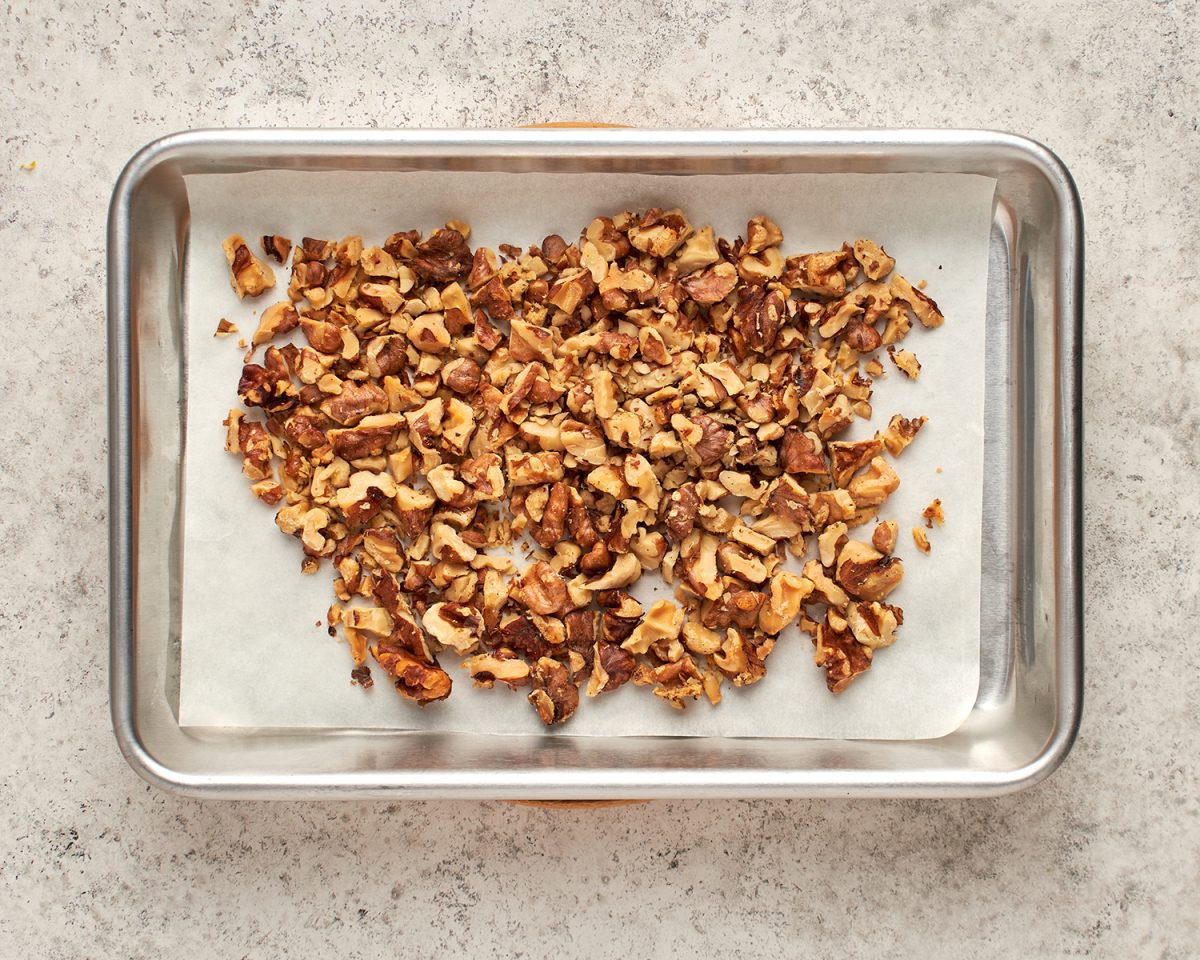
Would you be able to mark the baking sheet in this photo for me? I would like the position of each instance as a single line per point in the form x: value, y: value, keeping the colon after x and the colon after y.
x: 253, y: 652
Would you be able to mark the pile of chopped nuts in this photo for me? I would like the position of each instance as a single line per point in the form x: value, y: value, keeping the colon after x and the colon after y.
x: 649, y: 398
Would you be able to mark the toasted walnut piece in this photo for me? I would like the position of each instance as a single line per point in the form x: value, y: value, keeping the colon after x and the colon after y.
x: 829, y: 591
x: 663, y: 621
x: 624, y: 571
x: 840, y: 655
x: 801, y: 452
x: 873, y: 259
x: 876, y: 485
x: 373, y: 620
x: 737, y: 561
x: 874, y: 624
x: 824, y: 274
x: 830, y: 542
x: 762, y: 232
x: 848, y: 458
x: 700, y: 250
x: 415, y: 679
x: 277, y: 247
x: 924, y: 308
x: 249, y: 276
x: 884, y: 537
x: 225, y: 328
x: 712, y: 284
x: 788, y: 591
x: 866, y: 573
x: 906, y: 361
x: 542, y: 591
x: 612, y: 667
x: 700, y: 640
x: 486, y: 668
x: 584, y: 441
x: 934, y: 514
x: 454, y: 625
x: 901, y: 432
x: 642, y: 481
x: 428, y: 333
x: 660, y: 234
x: 920, y: 539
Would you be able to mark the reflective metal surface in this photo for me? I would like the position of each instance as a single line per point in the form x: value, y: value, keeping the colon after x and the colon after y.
x: 1031, y: 644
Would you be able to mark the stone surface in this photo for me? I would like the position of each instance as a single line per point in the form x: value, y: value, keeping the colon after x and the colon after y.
x: 1103, y: 859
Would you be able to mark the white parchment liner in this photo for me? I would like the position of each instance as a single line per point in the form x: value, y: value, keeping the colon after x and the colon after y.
x: 253, y: 654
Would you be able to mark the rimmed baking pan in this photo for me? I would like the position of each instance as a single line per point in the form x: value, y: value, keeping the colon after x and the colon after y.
x: 1028, y: 704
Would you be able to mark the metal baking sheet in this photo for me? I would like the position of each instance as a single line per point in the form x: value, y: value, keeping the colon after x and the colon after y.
x: 1027, y: 707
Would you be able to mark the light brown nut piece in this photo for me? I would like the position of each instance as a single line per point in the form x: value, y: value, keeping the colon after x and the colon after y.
x: 486, y: 668
x: 454, y: 625
x: 249, y: 276
x: 761, y: 233
x: 542, y: 591
x: 713, y: 284
x: 920, y: 539
x: 874, y: 624
x: 934, y: 514
x: 663, y: 621
x: 867, y: 574
x: 876, y: 485
x: 884, y: 537
x: 225, y: 328
x: 699, y: 251
x: 925, y: 309
x: 788, y: 591
x: 906, y: 361
x: 873, y: 259
x: 901, y: 432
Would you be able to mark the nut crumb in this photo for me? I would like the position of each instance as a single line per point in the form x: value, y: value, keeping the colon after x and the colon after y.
x: 920, y: 539
x: 225, y: 328
x: 934, y: 514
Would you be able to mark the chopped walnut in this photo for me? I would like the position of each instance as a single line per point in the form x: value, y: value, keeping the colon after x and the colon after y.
x: 648, y: 397
x: 920, y: 539
x: 934, y: 514
x: 249, y: 276
x: 906, y: 362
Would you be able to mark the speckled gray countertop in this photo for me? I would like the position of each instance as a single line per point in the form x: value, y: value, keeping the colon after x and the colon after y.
x: 1102, y: 859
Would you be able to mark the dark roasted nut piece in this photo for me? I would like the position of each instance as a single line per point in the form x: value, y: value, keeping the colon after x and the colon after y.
x: 521, y: 634
x: 848, y: 458
x: 442, y: 258
x: 554, y: 696
x: 800, y: 452
x: 249, y: 276
x: 840, y: 655
x: 277, y: 247
x: 612, y: 667
x: 414, y: 679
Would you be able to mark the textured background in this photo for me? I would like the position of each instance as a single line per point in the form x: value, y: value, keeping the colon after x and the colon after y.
x: 1102, y: 859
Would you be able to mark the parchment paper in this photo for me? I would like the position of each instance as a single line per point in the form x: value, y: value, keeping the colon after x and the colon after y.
x: 253, y: 653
